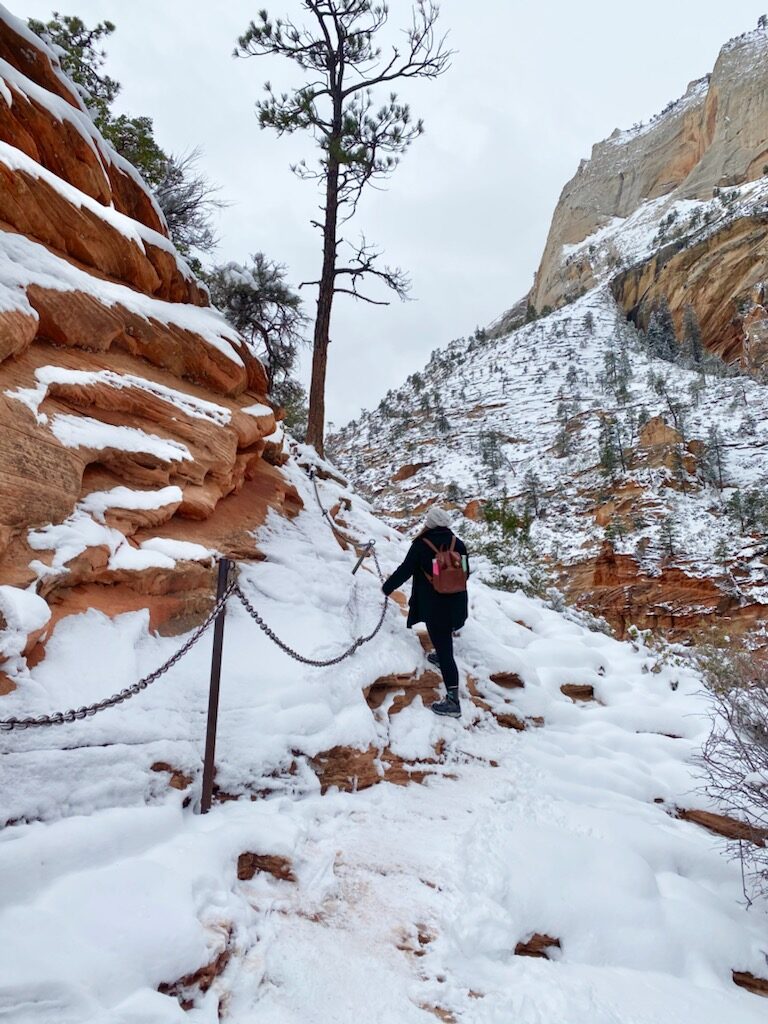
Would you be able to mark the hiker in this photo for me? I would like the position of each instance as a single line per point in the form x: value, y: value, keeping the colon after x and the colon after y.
x: 437, y: 561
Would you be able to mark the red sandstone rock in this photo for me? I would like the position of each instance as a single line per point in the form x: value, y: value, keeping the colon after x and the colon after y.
x: 406, y: 472
x: 273, y: 864
x: 722, y: 825
x: 155, y: 371
x: 508, y: 680
x: 578, y: 691
x: 758, y: 986
x: 537, y: 946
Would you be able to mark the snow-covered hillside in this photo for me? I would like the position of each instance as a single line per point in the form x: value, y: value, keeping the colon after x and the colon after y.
x: 542, y: 419
x: 395, y: 904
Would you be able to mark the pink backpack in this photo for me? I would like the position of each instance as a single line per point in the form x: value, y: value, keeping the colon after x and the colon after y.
x: 449, y: 576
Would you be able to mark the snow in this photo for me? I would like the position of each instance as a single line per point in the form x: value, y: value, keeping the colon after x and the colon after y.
x: 24, y: 263
x: 258, y: 409
x: 98, y: 502
x: 277, y: 436
x: 190, y: 405
x: 85, y: 432
x: 22, y: 613
x: 178, y: 550
x: 16, y: 160
x: 554, y: 830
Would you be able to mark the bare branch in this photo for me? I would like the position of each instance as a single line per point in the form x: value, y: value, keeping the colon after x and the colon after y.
x: 357, y: 295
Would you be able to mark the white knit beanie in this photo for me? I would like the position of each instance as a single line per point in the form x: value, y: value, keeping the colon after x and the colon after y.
x: 436, y: 517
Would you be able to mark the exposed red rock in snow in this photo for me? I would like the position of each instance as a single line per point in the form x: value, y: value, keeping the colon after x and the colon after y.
x: 537, y: 946
x: 248, y: 864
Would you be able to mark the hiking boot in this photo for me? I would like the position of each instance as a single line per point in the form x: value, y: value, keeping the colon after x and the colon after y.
x: 433, y: 659
x: 449, y: 707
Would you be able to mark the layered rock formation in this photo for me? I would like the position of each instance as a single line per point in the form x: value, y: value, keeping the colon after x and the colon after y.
x: 705, y: 148
x: 133, y: 418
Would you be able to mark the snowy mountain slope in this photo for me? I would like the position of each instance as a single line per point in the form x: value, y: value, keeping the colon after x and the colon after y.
x: 401, y: 904
x: 486, y: 414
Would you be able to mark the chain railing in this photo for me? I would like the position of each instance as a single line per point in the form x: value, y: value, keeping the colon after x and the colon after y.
x: 227, y: 588
x: 77, y: 714
x: 369, y: 547
x: 232, y: 589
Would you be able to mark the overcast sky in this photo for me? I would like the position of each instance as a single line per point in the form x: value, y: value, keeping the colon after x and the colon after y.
x: 532, y: 87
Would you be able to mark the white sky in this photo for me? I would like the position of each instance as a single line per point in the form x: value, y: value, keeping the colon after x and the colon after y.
x: 532, y: 87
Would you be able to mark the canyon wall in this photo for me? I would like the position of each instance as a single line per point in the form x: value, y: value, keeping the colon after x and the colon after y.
x: 707, y: 145
x: 137, y: 440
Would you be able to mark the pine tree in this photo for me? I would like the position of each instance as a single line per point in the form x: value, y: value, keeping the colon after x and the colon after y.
x: 611, y: 448
x: 532, y: 494
x: 359, y: 143
x: 713, y: 458
x: 491, y: 455
x: 661, y: 336
x: 735, y: 508
x: 668, y: 536
x: 693, y: 348
x: 259, y: 303
x: 678, y: 467
x: 563, y: 443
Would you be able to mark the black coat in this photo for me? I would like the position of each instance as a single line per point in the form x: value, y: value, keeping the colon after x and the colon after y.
x: 426, y: 605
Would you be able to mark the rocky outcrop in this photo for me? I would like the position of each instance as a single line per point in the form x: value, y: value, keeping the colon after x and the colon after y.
x: 134, y: 420
x: 615, y: 587
x: 713, y: 139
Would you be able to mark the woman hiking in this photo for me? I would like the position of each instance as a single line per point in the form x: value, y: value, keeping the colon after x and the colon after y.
x: 437, y: 561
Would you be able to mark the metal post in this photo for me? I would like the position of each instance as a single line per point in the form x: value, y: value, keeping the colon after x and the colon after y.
x: 213, y: 695
x: 366, y: 551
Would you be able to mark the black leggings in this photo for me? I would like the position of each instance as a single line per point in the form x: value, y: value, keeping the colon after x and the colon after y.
x: 442, y: 640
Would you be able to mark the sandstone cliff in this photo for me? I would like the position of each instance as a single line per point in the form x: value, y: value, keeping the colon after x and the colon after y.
x: 685, y: 176
x: 133, y: 419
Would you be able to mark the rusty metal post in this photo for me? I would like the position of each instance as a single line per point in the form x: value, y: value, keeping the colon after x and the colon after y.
x: 213, y: 695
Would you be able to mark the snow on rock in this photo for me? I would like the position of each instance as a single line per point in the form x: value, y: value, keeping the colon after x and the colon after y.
x: 23, y: 616
x: 121, y: 390
x: 709, y: 142
x: 488, y: 415
x: 84, y: 432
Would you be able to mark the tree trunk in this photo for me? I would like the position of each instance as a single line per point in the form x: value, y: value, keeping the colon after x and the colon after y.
x: 316, y: 419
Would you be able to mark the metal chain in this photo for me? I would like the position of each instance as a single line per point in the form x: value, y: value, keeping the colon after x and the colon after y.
x: 88, y: 711
x: 73, y: 715
x: 316, y: 662
x: 370, y: 546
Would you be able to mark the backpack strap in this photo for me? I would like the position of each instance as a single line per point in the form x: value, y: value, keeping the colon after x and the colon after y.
x: 429, y: 544
x: 453, y: 543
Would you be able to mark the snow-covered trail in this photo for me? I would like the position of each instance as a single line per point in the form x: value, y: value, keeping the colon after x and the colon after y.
x: 434, y: 886
x: 408, y: 902
x: 404, y: 904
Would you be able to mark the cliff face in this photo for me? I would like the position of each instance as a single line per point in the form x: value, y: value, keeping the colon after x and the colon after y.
x: 710, y: 142
x: 133, y: 419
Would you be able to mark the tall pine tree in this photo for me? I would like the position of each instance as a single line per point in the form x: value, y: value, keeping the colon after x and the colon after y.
x: 359, y: 139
